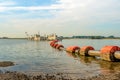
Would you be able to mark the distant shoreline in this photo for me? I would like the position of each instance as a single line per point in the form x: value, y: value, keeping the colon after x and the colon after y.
x: 13, y: 38
x: 66, y: 38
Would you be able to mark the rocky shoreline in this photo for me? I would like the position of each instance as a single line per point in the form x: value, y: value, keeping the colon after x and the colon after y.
x: 13, y: 75
x: 58, y: 76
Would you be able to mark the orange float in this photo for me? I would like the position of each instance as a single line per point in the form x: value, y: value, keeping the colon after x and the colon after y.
x: 52, y: 44
x: 59, y: 46
x: 55, y: 45
x: 55, y: 41
x: 107, y: 53
x: 72, y: 49
x: 84, y: 50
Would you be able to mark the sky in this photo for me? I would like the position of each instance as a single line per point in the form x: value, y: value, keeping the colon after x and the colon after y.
x: 63, y: 17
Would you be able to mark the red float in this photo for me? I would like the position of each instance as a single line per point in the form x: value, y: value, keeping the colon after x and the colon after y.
x: 107, y: 53
x: 84, y: 50
x: 59, y: 46
x: 55, y: 41
x: 52, y: 44
x: 55, y: 45
x: 72, y: 49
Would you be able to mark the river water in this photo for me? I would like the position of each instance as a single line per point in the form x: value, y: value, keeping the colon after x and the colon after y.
x: 32, y: 56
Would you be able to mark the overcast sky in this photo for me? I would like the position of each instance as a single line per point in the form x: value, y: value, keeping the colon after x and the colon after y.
x: 63, y: 17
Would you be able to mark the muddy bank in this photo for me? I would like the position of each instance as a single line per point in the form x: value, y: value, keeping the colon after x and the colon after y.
x: 8, y: 75
x: 6, y: 63
x: 58, y: 76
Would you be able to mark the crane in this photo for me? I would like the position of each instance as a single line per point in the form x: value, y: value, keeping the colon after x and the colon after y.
x: 27, y: 35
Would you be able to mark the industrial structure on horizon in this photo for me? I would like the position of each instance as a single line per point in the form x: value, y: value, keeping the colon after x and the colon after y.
x: 38, y: 37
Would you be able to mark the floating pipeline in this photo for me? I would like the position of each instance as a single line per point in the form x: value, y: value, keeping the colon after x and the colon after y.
x: 108, y: 53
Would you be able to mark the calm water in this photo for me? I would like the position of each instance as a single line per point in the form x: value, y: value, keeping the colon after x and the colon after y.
x: 31, y: 56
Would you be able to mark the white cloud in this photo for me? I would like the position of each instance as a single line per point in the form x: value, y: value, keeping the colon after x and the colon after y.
x: 88, y: 9
x: 32, y: 8
x: 7, y: 3
x: 74, y: 17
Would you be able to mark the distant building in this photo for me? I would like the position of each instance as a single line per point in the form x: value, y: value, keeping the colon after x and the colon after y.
x: 53, y: 37
x: 37, y: 37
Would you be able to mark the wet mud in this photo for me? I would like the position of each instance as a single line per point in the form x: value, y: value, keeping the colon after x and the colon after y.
x: 6, y: 63
x: 58, y: 76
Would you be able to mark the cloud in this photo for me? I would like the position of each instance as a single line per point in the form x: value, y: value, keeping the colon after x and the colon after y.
x: 14, y: 6
x: 32, y: 8
x: 68, y: 17
x: 7, y: 3
x: 90, y: 9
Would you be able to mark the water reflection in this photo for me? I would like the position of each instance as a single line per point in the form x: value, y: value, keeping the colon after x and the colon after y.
x: 109, y: 67
x: 72, y: 55
x: 82, y: 59
x: 105, y: 66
